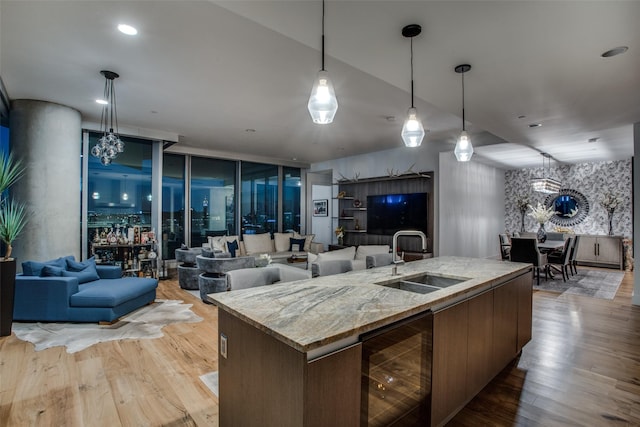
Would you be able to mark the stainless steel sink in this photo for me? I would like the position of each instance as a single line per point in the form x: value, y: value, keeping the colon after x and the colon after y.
x: 436, y: 281
x: 424, y: 283
x: 418, y: 288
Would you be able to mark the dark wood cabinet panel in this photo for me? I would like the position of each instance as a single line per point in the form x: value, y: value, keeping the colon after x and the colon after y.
x: 449, y: 371
x: 505, y: 324
x: 333, y: 389
x: 480, y: 342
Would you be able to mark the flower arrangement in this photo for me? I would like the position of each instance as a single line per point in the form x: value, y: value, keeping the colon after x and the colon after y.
x: 522, y: 201
x: 263, y: 260
x: 540, y: 213
x: 610, y: 201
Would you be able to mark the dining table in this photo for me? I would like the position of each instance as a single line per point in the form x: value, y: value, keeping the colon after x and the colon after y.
x: 550, y: 245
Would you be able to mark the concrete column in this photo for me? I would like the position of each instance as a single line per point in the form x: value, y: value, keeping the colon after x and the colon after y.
x: 47, y: 137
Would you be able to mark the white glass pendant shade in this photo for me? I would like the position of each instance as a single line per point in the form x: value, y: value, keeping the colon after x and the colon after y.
x: 412, y: 130
x: 323, y: 103
x: 464, y: 149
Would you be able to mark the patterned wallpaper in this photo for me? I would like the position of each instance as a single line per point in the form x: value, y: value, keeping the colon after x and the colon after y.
x: 591, y: 179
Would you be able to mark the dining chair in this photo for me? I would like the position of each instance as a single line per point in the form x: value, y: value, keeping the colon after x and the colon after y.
x: 505, y: 246
x: 526, y: 250
x: 573, y: 262
x: 562, y: 260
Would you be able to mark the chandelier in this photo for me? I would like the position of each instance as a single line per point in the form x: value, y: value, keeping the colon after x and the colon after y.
x: 546, y: 184
x: 109, y: 145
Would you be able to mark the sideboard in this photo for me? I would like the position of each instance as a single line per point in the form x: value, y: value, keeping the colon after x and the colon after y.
x: 600, y: 251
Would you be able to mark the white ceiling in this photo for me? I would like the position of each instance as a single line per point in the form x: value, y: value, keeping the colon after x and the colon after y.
x: 208, y: 70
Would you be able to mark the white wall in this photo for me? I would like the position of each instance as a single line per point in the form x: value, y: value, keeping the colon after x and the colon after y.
x: 471, y: 209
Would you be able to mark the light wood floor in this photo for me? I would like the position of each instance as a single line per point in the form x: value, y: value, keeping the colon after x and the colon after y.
x: 582, y: 368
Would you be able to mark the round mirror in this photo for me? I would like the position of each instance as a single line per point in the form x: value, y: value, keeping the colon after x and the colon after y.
x: 571, y: 207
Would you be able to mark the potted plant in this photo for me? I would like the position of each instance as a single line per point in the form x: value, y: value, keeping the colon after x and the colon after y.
x: 12, y: 222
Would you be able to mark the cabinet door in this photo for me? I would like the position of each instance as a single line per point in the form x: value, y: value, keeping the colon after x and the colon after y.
x: 333, y: 389
x: 609, y: 250
x: 480, y: 342
x: 525, y: 309
x: 587, y: 251
x: 449, y: 372
x: 505, y: 324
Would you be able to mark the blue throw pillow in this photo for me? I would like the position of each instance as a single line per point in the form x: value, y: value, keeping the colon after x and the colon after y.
x: 51, y: 271
x: 233, y: 247
x: 299, y: 242
x: 89, y: 274
x: 34, y: 268
x: 73, y: 265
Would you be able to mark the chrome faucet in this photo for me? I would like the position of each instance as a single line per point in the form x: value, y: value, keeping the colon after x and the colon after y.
x: 407, y: 233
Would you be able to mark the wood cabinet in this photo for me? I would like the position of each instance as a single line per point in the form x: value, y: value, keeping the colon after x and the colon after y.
x: 602, y: 251
x: 480, y: 361
x: 265, y: 382
x: 474, y: 340
x: 449, y: 369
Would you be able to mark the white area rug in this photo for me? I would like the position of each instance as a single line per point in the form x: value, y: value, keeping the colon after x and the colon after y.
x: 146, y: 322
x: 592, y: 283
x: 211, y: 381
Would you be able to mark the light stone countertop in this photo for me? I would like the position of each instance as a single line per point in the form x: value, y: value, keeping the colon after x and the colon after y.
x: 313, y: 313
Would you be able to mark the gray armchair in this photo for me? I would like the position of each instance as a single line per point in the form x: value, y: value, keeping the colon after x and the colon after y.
x: 330, y: 267
x: 246, y: 278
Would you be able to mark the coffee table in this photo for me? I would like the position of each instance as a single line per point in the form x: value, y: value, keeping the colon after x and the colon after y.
x: 299, y: 261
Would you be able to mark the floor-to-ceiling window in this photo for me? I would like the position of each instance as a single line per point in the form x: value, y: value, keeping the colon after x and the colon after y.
x: 173, y: 182
x: 291, y: 185
x: 119, y: 195
x: 259, y: 196
x: 212, y: 198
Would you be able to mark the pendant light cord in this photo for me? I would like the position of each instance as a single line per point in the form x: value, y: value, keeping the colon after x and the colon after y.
x: 323, y: 35
x: 463, y: 128
x: 411, y: 39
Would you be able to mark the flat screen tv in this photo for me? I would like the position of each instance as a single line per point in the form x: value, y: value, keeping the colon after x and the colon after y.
x: 388, y: 213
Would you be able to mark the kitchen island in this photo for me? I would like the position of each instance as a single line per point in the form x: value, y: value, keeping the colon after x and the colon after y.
x: 292, y: 354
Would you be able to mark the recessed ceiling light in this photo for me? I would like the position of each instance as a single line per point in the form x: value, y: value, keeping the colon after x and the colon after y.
x: 250, y: 130
x: 593, y: 139
x: 535, y: 125
x: 102, y: 101
x: 127, y: 29
x: 521, y: 116
x: 391, y: 118
x: 615, y: 51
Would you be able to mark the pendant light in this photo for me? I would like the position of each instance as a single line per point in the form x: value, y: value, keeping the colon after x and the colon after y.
x: 464, y: 149
x: 125, y: 196
x: 546, y: 184
x: 323, y: 103
x: 109, y: 145
x: 412, y: 130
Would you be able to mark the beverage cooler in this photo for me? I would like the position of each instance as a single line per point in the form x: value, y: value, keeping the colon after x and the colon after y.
x: 396, y: 373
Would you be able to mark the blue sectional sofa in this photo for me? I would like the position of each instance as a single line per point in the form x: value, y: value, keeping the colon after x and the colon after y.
x: 65, y: 290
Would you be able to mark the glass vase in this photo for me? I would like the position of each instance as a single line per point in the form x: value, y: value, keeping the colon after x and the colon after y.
x: 522, y: 221
x: 541, y: 234
x: 610, y: 217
